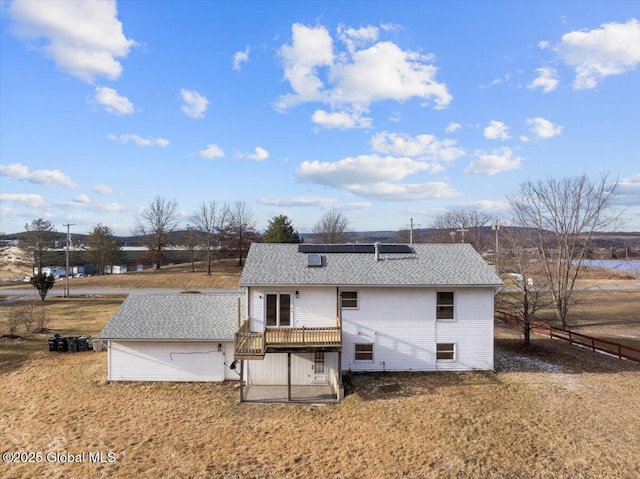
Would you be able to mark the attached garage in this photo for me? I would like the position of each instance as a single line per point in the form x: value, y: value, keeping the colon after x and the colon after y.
x: 173, y: 337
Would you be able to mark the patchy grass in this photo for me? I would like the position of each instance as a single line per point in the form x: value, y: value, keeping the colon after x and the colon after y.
x: 549, y: 411
x: 67, y: 317
x: 609, y: 315
x: 225, y: 274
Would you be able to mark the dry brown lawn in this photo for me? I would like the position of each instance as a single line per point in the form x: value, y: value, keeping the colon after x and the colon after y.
x: 609, y: 315
x: 225, y: 274
x: 549, y: 411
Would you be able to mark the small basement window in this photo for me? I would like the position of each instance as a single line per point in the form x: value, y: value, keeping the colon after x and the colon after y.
x: 444, y: 305
x: 446, y: 352
x: 349, y: 299
x: 364, y: 352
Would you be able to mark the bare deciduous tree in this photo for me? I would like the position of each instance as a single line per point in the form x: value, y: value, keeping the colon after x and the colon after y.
x: 103, y: 247
x: 209, y: 219
x: 528, y: 292
x: 154, y: 224
x: 40, y: 235
x: 564, y: 213
x: 239, y: 229
x: 466, y: 226
x: 333, y: 228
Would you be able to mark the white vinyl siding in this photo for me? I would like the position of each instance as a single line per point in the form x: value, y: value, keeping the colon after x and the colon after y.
x: 314, y: 307
x: 169, y: 361
x: 272, y: 370
x: 401, y: 323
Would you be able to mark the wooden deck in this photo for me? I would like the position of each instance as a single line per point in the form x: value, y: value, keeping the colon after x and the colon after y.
x: 254, y: 345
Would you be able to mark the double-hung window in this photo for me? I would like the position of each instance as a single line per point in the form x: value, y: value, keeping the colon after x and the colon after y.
x: 446, y: 352
x: 349, y: 299
x: 444, y: 306
x: 364, y: 352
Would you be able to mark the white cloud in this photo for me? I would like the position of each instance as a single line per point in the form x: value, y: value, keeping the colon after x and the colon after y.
x: 77, y: 204
x: 546, y: 80
x: 496, y: 131
x: 365, y: 169
x: 406, y: 192
x: 18, y: 171
x: 502, y: 159
x: 386, y: 72
x: 311, y: 48
x: 314, y: 201
x: 239, y: 58
x: 112, y: 102
x: 485, y: 206
x: 103, y: 189
x: 612, y: 49
x: 139, y: 141
x: 211, y: 151
x: 259, y: 154
x: 352, y: 80
x: 628, y: 192
x: 82, y: 198
x: 33, y: 201
x: 342, y: 119
x: 357, y: 37
x: 424, y: 147
x: 543, y: 128
x: 453, y: 127
x: 84, y: 39
x: 194, y: 104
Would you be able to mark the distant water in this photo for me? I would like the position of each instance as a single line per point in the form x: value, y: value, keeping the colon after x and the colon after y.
x: 619, y: 264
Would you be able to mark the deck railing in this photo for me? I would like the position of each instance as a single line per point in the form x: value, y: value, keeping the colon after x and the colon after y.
x: 253, y: 345
x: 249, y: 344
x: 302, y: 337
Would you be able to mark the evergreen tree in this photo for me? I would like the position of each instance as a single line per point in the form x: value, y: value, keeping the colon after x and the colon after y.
x: 281, y: 230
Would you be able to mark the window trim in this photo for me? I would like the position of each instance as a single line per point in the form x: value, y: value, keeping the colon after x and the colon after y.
x: 452, y: 306
x: 453, y: 350
x: 356, y: 299
x: 355, y: 353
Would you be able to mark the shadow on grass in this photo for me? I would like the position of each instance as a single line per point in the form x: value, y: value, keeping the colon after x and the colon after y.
x: 392, y: 385
x: 545, y: 355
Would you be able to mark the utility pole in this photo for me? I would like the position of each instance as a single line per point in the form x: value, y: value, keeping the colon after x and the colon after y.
x: 411, y: 231
x: 462, y: 231
x: 496, y: 228
x: 66, y: 293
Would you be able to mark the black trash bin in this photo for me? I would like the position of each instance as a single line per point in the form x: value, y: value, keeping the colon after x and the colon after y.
x: 83, y: 343
x: 73, y: 344
x: 63, y: 346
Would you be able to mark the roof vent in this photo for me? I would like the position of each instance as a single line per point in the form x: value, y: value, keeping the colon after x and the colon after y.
x: 314, y: 260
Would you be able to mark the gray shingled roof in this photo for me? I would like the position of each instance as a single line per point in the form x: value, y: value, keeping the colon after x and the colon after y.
x: 177, y: 316
x: 452, y: 264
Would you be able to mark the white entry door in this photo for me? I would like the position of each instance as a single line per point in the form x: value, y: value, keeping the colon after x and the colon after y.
x: 319, y: 368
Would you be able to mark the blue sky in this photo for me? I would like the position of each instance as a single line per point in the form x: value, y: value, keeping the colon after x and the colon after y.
x: 384, y: 110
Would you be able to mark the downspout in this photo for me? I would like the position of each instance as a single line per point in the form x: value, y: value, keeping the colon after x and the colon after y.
x: 376, y: 247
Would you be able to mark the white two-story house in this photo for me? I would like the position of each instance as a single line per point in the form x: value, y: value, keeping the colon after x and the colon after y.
x: 317, y: 311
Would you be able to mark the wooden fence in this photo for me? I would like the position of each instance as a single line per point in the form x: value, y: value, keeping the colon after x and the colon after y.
x: 619, y: 350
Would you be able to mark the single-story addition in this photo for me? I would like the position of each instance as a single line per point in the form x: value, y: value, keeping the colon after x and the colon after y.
x: 174, y: 337
x: 316, y: 311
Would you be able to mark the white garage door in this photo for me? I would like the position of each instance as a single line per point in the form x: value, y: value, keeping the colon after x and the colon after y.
x: 165, y: 361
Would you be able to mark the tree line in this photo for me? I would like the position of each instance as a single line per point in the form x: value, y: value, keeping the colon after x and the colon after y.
x: 547, y: 234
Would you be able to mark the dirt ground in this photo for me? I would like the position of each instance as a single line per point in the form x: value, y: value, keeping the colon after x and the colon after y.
x: 550, y: 411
